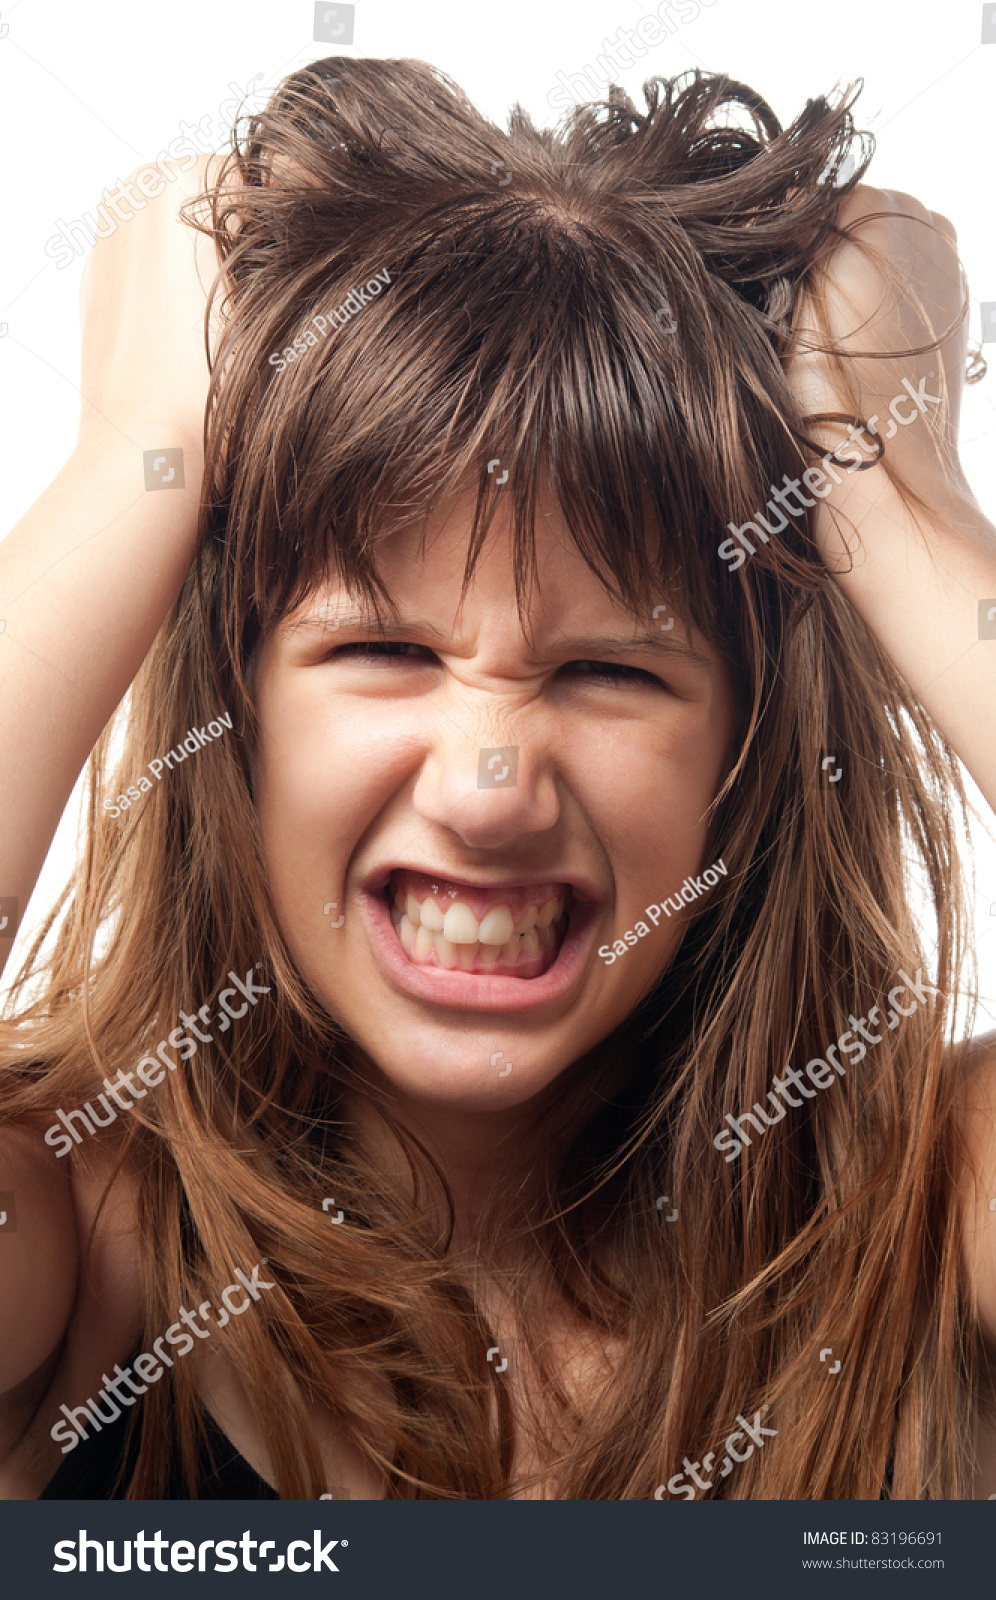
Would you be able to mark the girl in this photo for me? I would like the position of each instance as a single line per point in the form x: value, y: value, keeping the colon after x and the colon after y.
x: 465, y: 1063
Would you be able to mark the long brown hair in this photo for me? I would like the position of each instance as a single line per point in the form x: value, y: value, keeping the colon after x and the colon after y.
x: 611, y: 319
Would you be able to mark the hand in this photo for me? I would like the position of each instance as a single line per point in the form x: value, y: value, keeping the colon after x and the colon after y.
x: 867, y: 311
x: 905, y: 541
x: 142, y: 301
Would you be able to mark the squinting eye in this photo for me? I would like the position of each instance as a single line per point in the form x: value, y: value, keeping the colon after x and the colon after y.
x: 390, y: 649
x: 612, y: 672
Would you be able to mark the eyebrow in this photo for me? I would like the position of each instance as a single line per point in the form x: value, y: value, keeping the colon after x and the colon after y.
x: 625, y: 643
x: 657, y: 643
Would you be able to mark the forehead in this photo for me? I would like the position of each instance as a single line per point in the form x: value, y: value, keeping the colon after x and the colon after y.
x: 430, y: 558
x: 422, y: 567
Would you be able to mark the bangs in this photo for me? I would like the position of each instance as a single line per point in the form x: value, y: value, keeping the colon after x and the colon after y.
x: 409, y: 316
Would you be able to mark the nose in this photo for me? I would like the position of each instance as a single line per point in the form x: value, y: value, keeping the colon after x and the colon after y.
x: 489, y: 796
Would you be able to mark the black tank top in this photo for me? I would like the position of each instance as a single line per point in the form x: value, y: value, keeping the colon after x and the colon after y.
x: 101, y: 1467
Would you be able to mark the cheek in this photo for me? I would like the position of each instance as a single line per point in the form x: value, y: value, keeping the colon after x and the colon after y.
x: 647, y: 788
x: 323, y: 774
x: 650, y: 810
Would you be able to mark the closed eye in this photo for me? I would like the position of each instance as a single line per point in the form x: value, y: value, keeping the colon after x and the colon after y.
x: 391, y: 649
x: 612, y: 672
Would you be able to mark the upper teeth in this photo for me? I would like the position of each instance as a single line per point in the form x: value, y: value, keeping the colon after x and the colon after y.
x: 460, y: 926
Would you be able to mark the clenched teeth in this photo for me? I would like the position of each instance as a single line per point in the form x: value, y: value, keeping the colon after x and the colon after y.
x: 442, y: 929
x: 460, y: 926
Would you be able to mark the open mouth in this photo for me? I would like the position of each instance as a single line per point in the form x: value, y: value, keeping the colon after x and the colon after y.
x: 510, y: 931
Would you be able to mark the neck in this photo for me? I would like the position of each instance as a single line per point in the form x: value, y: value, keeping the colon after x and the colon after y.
x: 478, y: 1151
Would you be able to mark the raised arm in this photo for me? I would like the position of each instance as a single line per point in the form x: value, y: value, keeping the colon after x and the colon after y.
x: 919, y: 586
x: 86, y: 579
x: 88, y: 574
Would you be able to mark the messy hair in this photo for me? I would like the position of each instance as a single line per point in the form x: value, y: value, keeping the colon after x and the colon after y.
x: 611, y: 322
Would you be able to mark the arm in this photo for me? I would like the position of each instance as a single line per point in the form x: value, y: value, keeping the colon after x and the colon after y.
x: 86, y: 579
x: 87, y: 576
x: 917, y: 583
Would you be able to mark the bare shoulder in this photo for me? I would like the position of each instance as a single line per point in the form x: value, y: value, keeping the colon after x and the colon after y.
x: 978, y: 1128
x: 38, y: 1252
x: 69, y: 1287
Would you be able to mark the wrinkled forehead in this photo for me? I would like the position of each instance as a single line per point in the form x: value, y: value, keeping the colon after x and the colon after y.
x: 430, y: 568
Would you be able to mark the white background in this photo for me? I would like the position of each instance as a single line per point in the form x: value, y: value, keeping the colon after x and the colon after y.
x: 89, y: 91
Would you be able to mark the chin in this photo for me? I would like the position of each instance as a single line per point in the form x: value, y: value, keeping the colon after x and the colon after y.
x: 476, y: 1068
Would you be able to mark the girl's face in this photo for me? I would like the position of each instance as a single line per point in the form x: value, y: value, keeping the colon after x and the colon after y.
x: 455, y: 820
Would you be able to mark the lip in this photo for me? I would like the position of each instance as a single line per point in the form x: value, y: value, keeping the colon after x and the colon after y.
x: 378, y: 881
x: 470, y: 991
